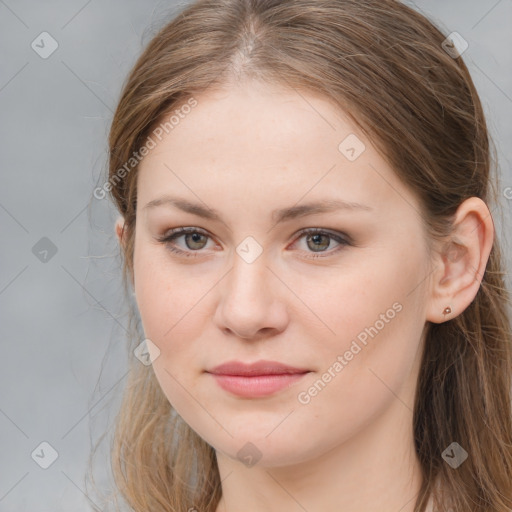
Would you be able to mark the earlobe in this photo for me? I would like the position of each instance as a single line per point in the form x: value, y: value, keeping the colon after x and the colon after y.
x: 462, y: 261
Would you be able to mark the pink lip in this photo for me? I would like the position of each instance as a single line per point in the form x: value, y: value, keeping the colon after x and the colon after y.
x: 258, y: 379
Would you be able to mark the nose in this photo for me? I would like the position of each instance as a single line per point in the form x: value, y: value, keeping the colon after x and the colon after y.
x: 252, y: 301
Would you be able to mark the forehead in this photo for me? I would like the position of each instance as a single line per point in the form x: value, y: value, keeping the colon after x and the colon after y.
x: 265, y: 122
x: 267, y: 145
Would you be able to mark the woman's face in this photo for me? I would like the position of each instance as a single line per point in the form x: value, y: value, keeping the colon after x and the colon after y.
x: 346, y: 305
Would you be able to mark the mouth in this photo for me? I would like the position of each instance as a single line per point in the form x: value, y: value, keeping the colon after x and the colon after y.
x: 259, y: 379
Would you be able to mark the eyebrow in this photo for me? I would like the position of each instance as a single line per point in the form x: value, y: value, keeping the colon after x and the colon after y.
x: 279, y: 215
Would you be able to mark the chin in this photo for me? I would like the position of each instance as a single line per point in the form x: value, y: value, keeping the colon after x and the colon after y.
x: 250, y: 447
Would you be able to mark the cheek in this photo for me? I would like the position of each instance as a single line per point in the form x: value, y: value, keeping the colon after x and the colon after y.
x: 360, y: 380
x: 169, y: 310
x: 169, y: 304
x: 163, y: 290
x: 375, y: 317
x: 346, y: 304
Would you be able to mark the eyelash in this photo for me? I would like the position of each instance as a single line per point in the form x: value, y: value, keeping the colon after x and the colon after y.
x: 176, y: 233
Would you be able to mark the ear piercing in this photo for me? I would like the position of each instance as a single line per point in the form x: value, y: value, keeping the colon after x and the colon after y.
x: 447, y: 310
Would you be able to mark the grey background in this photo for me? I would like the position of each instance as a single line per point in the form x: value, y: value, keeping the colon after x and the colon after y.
x: 63, y: 320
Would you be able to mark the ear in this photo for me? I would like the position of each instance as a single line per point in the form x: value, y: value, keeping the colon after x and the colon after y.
x: 119, y: 225
x: 121, y: 235
x: 460, y: 265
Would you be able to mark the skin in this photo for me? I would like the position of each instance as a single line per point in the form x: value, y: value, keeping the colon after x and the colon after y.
x: 245, y: 151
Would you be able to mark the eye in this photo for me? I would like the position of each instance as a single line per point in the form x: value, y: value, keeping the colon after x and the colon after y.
x: 192, y: 237
x: 317, y: 238
x: 195, y: 240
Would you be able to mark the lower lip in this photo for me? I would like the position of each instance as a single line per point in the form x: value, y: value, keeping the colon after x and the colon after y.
x: 258, y: 386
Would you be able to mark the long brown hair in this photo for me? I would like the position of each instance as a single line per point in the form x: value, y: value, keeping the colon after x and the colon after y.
x: 386, y: 66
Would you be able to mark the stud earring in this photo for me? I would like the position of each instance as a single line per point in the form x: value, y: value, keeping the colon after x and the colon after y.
x: 447, y: 310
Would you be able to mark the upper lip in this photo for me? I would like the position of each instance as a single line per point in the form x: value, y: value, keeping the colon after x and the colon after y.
x: 257, y: 368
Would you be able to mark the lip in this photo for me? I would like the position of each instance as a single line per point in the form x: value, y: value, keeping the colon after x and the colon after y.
x: 262, y: 378
x: 254, y: 369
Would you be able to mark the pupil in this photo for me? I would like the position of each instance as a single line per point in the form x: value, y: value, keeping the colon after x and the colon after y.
x: 317, y: 239
x: 195, y: 239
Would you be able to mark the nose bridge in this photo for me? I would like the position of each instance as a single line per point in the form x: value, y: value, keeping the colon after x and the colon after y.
x: 249, y: 302
x: 248, y: 279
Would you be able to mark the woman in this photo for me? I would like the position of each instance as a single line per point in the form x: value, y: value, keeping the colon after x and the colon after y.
x: 304, y: 189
